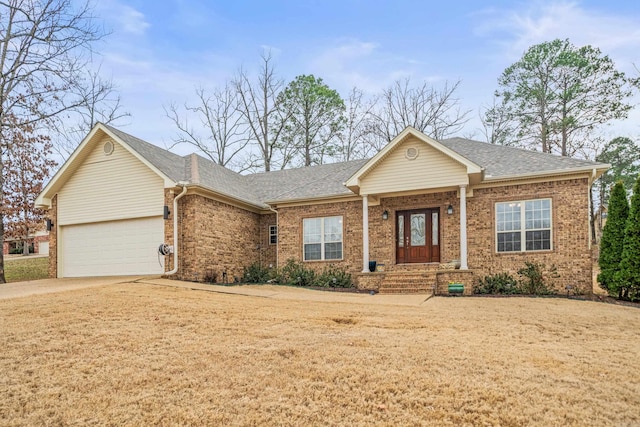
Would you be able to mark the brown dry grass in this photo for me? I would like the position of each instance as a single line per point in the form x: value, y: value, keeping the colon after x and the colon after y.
x: 142, y: 355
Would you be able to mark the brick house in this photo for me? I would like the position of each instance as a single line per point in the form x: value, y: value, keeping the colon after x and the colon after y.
x: 39, y: 243
x: 426, y: 211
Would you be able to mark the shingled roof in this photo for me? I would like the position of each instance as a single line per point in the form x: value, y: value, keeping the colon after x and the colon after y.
x: 323, y: 181
x: 499, y: 161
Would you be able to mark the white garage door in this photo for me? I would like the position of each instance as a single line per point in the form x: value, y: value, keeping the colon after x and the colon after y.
x: 114, y: 248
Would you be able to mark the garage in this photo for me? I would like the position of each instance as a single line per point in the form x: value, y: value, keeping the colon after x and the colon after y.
x: 112, y: 248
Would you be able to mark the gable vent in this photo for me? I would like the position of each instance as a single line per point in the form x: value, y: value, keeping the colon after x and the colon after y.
x: 108, y: 148
x: 411, y: 153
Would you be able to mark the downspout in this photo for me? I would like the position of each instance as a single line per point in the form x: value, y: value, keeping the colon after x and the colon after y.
x: 175, y: 229
x: 591, y: 181
x: 278, y: 237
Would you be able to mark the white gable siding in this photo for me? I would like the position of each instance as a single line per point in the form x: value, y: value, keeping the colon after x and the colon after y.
x: 431, y: 169
x: 111, y: 187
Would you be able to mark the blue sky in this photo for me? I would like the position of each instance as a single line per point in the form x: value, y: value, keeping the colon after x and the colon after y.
x: 159, y: 50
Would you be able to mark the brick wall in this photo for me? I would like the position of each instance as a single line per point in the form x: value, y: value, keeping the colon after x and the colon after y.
x: 217, y: 238
x: 382, y: 233
x: 268, y: 252
x: 571, y: 255
x: 570, y: 234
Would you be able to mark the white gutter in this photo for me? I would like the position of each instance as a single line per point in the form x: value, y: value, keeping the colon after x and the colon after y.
x: 175, y: 230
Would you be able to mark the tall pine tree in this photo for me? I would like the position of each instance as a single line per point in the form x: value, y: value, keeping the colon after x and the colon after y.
x: 611, y: 245
x: 628, y: 276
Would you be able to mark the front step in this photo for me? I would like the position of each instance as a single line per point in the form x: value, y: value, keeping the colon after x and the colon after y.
x: 408, y: 282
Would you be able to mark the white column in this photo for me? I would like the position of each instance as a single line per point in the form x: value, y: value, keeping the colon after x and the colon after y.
x: 463, y: 228
x: 365, y: 233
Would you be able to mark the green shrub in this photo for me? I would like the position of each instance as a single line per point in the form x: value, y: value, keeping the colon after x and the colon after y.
x: 627, y: 277
x: 533, y: 281
x: 612, y: 242
x: 334, y: 277
x: 294, y: 273
x: 256, y: 273
x: 501, y: 283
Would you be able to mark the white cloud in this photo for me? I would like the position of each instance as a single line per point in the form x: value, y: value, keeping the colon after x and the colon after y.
x: 124, y: 18
x: 518, y: 29
x: 365, y: 65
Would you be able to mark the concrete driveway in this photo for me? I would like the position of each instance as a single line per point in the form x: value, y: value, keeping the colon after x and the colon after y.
x: 48, y: 286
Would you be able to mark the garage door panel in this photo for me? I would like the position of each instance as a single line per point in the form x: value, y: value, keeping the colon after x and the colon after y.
x: 112, y: 248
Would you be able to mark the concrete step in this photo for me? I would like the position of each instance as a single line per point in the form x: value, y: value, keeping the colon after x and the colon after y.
x: 408, y: 282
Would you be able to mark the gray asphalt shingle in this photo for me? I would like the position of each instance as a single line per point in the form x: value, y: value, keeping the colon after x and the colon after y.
x: 327, y: 180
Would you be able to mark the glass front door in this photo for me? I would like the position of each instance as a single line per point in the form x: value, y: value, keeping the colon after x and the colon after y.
x: 418, y: 236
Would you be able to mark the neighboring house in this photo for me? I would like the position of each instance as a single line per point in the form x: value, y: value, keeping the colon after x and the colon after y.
x: 39, y: 244
x: 416, y: 207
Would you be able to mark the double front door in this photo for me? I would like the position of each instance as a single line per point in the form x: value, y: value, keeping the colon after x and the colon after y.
x: 418, y: 236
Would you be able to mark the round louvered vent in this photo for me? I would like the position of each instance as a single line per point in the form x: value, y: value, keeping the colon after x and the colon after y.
x: 411, y: 153
x: 108, y: 148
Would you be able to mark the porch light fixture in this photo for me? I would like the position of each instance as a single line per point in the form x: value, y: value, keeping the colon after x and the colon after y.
x: 166, y: 212
x: 385, y: 215
x: 450, y: 209
x: 49, y: 224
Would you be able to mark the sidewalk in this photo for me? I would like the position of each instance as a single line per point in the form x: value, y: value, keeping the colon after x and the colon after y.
x: 47, y: 286
x: 292, y: 293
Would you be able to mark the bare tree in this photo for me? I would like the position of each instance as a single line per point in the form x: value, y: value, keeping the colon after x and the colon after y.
x: 261, y: 110
x: 219, y: 116
x: 44, y: 46
x: 99, y: 101
x: 429, y: 110
x: 497, y: 124
x: 353, y: 140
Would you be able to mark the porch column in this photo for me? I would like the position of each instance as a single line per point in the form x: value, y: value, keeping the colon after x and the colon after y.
x: 463, y: 228
x: 365, y: 233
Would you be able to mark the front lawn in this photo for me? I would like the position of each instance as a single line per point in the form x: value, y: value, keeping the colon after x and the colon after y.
x: 27, y: 268
x: 136, y: 354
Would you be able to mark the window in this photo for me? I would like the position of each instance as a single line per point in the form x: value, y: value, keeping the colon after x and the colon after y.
x: 523, y: 226
x: 322, y: 238
x: 273, y: 234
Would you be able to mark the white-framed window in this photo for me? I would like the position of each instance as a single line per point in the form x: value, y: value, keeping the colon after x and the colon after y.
x: 322, y: 238
x: 273, y: 234
x: 523, y: 226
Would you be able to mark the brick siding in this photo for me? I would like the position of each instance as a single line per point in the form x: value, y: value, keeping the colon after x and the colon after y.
x: 570, y: 255
x: 218, y: 239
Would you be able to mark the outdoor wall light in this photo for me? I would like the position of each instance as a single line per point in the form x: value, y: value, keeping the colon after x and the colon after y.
x: 385, y: 215
x: 450, y: 209
x: 49, y: 224
x: 166, y: 212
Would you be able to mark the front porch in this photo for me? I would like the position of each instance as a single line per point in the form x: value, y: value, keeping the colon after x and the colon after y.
x: 432, y: 278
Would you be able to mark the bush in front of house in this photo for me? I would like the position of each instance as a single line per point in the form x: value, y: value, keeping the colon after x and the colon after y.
x: 533, y: 281
x: 334, y: 277
x: 256, y: 273
x: 500, y: 284
x: 295, y: 273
